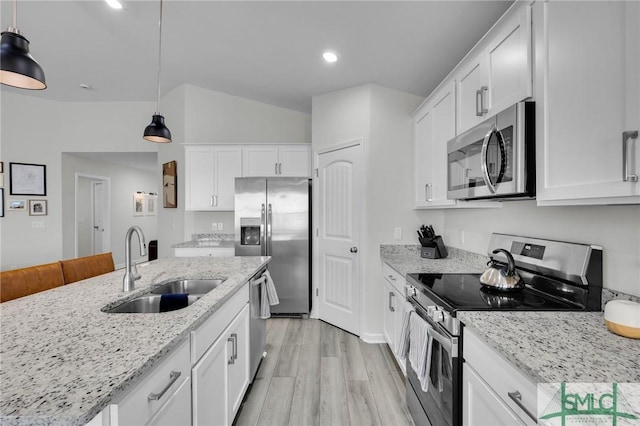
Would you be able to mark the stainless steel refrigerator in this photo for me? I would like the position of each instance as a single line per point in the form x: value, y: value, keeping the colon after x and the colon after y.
x: 272, y: 218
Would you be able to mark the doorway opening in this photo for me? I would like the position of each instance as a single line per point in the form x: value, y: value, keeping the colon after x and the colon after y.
x: 92, y: 218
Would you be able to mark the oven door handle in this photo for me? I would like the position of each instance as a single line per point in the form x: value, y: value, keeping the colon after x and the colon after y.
x: 444, y: 342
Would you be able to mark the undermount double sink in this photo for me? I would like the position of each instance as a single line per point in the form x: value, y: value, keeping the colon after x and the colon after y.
x: 151, y: 302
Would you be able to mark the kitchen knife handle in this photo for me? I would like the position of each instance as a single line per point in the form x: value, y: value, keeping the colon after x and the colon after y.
x: 626, y: 137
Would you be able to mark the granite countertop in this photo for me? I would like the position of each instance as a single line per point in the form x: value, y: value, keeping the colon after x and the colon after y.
x: 208, y: 241
x: 553, y: 347
x: 64, y: 360
x: 406, y: 259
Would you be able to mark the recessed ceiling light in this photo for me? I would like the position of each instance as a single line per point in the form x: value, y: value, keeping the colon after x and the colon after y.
x: 115, y: 4
x: 85, y: 86
x: 330, y: 56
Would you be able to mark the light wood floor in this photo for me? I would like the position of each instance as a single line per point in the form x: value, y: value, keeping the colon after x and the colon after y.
x: 317, y: 374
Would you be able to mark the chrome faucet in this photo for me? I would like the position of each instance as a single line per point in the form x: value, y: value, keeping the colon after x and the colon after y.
x: 131, y: 272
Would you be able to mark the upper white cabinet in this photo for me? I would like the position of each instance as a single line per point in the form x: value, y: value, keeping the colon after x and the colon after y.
x: 277, y: 160
x: 588, y: 102
x: 434, y: 125
x: 210, y: 176
x: 499, y: 73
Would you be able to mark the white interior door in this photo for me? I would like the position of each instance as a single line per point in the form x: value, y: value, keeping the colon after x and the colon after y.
x: 98, y: 213
x: 340, y: 200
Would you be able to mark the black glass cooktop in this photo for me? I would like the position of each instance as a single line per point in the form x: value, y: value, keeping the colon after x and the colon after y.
x: 464, y: 292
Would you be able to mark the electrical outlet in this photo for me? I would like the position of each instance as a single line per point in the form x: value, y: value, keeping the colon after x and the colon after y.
x: 397, y: 233
x: 214, y: 226
x: 462, y: 237
x: 220, y: 226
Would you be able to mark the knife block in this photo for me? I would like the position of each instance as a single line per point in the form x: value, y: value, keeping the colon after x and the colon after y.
x: 433, y: 249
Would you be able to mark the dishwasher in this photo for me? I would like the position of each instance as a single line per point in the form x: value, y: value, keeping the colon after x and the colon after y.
x: 257, y: 325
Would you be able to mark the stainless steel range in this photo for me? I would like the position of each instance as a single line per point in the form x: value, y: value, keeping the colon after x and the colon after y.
x: 558, y: 276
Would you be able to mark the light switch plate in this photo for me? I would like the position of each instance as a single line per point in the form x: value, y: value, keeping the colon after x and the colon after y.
x: 37, y: 224
x: 397, y: 233
x: 220, y: 226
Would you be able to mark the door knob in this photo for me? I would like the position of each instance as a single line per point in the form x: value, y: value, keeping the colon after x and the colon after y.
x: 354, y: 249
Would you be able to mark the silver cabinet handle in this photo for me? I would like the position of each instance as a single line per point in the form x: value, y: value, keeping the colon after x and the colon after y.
x: 269, y: 228
x: 479, y: 104
x: 215, y: 200
x: 234, y: 336
x: 428, y: 191
x: 626, y: 137
x: 232, y: 360
x: 276, y: 168
x: 391, y: 308
x: 211, y: 201
x: 353, y: 249
x: 173, y: 376
x: 391, y: 277
x: 280, y: 168
x: 483, y: 107
x: 263, y: 225
x: 517, y: 398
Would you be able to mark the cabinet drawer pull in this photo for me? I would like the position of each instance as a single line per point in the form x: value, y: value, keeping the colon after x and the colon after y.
x: 517, y: 398
x: 626, y: 137
x: 173, y: 376
x: 483, y: 104
x: 391, y: 308
x: 232, y: 360
x: 234, y: 336
x: 478, y: 103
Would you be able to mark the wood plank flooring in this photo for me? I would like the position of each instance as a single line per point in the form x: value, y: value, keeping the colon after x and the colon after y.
x: 317, y: 374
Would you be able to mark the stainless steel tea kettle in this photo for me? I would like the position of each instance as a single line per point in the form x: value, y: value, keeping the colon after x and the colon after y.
x: 496, y: 277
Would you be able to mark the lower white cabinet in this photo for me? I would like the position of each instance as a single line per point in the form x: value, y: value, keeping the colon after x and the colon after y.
x: 395, y: 306
x: 495, y: 392
x: 163, y: 397
x: 221, y: 376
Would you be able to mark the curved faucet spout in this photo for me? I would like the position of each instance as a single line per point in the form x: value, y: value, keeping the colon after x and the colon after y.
x: 131, y: 272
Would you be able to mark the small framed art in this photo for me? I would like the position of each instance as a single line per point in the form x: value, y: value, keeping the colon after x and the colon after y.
x: 37, y: 207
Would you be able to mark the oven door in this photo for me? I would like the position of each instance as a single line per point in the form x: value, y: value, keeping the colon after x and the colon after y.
x: 440, y: 404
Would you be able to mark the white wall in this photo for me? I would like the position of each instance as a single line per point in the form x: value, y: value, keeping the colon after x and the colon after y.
x: 124, y: 182
x: 615, y: 228
x: 37, y: 131
x: 381, y: 117
x: 82, y: 218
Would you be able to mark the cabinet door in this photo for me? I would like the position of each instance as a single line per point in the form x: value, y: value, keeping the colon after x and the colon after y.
x: 238, y: 369
x: 402, y: 307
x: 444, y: 129
x: 588, y: 96
x: 227, y: 164
x: 480, y: 405
x: 509, y: 62
x: 473, y: 85
x: 294, y: 161
x: 177, y: 410
x: 423, y: 135
x: 199, y: 178
x: 209, y: 377
x: 389, y: 314
x: 260, y: 161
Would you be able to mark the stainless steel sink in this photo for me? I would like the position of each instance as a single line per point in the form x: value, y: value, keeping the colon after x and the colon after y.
x: 147, y: 304
x: 191, y: 287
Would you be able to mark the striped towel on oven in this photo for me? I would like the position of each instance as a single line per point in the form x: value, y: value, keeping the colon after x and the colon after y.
x: 403, y: 339
x: 420, y: 344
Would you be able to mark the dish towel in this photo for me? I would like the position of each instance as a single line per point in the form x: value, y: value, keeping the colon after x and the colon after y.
x: 420, y: 345
x: 268, y: 294
x: 403, y: 339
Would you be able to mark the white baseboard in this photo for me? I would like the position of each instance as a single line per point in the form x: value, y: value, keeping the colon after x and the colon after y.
x: 373, y: 338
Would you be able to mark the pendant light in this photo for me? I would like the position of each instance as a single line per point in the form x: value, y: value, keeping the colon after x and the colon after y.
x: 157, y: 131
x: 17, y: 66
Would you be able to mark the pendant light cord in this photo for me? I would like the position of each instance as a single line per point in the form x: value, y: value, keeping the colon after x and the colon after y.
x: 159, y: 60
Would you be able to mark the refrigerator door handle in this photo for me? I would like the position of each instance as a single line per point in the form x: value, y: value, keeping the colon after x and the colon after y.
x: 263, y: 241
x: 269, y: 226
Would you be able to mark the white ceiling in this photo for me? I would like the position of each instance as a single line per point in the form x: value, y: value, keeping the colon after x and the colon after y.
x: 267, y: 51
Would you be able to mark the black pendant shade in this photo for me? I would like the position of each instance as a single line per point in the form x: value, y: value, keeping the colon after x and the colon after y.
x: 157, y: 131
x: 18, y: 68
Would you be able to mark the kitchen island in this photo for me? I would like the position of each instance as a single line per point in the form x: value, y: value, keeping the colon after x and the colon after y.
x: 64, y: 360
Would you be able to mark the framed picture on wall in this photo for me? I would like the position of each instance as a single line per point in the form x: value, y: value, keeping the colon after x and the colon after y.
x: 27, y: 179
x: 170, y: 185
x: 37, y: 207
x: 17, y: 205
x: 152, y: 204
x: 139, y: 204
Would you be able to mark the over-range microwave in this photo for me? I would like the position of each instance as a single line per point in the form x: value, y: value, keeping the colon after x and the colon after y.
x: 496, y: 158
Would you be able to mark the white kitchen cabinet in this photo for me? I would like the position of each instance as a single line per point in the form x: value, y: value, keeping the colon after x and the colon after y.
x: 163, y: 397
x: 499, y: 72
x: 587, y: 96
x: 276, y: 160
x: 210, y: 173
x: 494, y: 391
x: 204, y: 251
x: 434, y: 126
x: 395, y: 306
x: 238, y: 371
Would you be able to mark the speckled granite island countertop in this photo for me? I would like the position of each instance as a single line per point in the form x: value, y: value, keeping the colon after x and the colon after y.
x: 63, y: 360
x: 554, y: 347
x: 208, y: 241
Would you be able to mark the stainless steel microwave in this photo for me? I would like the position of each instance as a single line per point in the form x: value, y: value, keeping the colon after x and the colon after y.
x: 496, y: 158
